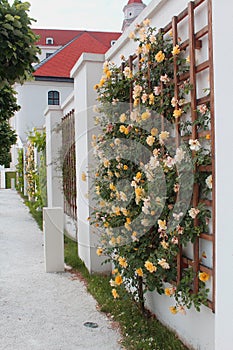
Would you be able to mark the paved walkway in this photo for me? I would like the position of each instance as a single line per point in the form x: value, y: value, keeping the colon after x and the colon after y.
x: 39, y: 310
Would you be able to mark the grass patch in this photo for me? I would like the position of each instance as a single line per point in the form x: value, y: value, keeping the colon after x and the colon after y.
x: 138, y: 332
x: 36, y: 214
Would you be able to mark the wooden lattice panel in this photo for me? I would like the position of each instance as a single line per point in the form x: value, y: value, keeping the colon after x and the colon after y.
x: 199, y: 46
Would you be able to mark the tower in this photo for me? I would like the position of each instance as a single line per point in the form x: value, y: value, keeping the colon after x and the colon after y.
x: 131, y: 11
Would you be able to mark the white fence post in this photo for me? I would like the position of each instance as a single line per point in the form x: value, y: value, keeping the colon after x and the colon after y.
x: 53, y: 228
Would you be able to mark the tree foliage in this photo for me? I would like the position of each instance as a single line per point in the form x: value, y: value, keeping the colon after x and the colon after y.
x: 17, y: 42
x: 19, y: 52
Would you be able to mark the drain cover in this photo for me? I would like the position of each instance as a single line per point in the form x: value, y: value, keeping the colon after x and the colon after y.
x: 91, y: 325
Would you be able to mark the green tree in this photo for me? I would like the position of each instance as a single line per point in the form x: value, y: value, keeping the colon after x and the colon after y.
x: 17, y: 42
x: 19, y: 52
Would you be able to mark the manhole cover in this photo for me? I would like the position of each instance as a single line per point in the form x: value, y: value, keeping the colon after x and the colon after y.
x: 91, y: 324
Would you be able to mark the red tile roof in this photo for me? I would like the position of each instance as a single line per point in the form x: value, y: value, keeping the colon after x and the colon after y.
x: 60, y: 36
x: 135, y: 1
x: 62, y: 61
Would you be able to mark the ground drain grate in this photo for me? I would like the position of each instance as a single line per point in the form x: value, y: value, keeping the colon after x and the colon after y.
x: 91, y: 325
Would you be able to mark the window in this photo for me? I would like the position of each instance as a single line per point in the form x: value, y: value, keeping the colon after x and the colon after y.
x: 49, y: 41
x: 113, y: 42
x: 53, y: 98
x: 48, y: 54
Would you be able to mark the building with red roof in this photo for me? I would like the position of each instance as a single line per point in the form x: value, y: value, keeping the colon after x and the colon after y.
x: 53, y: 84
x: 62, y: 55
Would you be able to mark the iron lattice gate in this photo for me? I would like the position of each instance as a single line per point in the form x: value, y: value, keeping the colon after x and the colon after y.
x: 69, y: 165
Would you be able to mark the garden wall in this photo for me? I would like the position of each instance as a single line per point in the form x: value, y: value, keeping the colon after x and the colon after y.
x: 207, y: 329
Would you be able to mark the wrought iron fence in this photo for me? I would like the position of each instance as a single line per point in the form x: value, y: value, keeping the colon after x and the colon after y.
x: 69, y: 164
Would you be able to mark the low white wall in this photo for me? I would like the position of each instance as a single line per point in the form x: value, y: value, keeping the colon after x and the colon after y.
x: 195, y: 329
x: 3, y: 172
x: 3, y: 178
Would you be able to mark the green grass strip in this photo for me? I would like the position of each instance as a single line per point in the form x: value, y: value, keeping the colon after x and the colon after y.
x: 138, y: 332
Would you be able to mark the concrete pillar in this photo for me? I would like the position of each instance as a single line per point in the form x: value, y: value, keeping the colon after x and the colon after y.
x: 53, y: 239
x: 53, y: 117
x: 86, y: 73
x: 13, y: 184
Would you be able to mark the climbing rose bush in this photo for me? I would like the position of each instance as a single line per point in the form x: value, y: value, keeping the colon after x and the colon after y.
x: 145, y: 172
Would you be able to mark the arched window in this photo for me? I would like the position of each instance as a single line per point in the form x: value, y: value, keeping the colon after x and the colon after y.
x: 49, y: 41
x: 53, y: 98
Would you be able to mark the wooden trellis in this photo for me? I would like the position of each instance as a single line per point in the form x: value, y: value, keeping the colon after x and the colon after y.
x: 193, y: 44
x: 69, y: 164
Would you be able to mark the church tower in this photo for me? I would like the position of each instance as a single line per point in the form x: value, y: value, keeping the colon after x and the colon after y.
x: 131, y: 11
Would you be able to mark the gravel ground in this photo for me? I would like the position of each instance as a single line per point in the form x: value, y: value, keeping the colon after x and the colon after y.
x: 39, y: 310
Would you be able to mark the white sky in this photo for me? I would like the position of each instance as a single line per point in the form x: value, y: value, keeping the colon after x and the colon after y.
x: 103, y: 15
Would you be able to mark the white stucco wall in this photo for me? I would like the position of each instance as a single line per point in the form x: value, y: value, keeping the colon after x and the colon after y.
x: 33, y: 99
x: 223, y: 76
x: 47, y: 49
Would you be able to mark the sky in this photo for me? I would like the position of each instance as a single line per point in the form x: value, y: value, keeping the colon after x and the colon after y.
x: 102, y: 15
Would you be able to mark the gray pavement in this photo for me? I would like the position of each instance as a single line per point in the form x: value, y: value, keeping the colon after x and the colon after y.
x: 39, y: 310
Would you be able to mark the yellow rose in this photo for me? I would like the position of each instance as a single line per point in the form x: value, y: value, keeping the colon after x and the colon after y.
x: 122, y: 262
x: 160, y: 56
x: 173, y: 310
x: 122, y: 128
x: 118, y: 280
x: 112, y: 187
x: 123, y: 118
x: 154, y: 131
x: 115, y: 294
x: 162, y: 224
x: 169, y: 291
x: 151, y: 99
x: 177, y: 113
x: 150, y: 140
x: 102, y: 81
x: 139, y: 191
x: 128, y: 220
x: 203, y: 276
x: 139, y: 272
x: 146, y: 115
x: 150, y: 266
x: 108, y: 74
x: 138, y: 175
x: 176, y: 50
x: 99, y: 251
